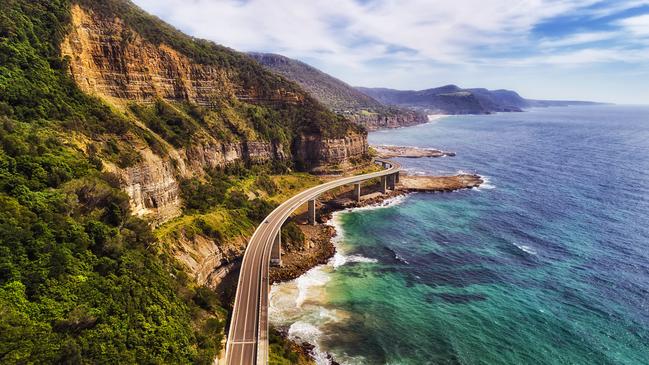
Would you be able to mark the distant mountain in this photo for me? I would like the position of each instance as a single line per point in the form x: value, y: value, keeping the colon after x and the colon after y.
x: 377, y: 108
x: 548, y: 103
x: 339, y: 96
x: 451, y: 99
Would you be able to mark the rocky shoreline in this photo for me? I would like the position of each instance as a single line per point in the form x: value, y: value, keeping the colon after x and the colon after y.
x: 409, y: 152
x: 320, y: 247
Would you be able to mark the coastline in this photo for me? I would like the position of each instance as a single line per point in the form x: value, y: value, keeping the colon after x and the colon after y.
x: 297, y: 264
x: 470, y: 286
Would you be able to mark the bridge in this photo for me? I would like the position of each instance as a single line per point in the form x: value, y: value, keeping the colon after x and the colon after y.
x: 247, y: 342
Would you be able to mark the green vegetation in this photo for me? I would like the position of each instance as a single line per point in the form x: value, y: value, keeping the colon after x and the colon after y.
x: 169, y: 123
x: 229, y: 203
x: 35, y: 87
x: 81, y: 279
x: 284, y: 352
x: 292, y: 237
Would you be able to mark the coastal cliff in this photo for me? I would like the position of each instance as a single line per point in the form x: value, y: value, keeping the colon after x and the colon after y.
x: 110, y: 59
x: 339, y: 152
x: 134, y: 164
x: 340, y: 97
x: 389, y: 118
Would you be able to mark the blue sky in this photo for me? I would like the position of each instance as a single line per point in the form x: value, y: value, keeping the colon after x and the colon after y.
x: 587, y: 50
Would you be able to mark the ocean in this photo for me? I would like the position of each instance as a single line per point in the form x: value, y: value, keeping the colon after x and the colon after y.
x: 546, y: 263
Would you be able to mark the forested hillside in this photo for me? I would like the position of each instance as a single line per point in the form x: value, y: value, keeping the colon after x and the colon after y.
x: 339, y: 96
x: 88, y: 167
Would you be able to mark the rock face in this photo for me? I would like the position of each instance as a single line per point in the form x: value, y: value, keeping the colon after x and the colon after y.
x: 152, y: 184
x: 340, y: 152
x: 400, y: 118
x: 153, y: 188
x: 108, y: 58
x: 217, y: 154
x: 206, y: 261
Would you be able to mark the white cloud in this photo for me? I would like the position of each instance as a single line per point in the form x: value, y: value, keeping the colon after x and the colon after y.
x: 443, y: 31
x: 578, y: 39
x: 582, y: 57
x: 608, y: 8
x: 417, y: 43
x: 636, y: 26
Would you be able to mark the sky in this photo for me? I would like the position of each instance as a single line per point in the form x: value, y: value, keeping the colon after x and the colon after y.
x: 544, y: 49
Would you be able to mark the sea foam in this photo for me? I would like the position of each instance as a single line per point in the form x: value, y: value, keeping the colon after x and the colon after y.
x: 486, y: 184
x: 300, y: 305
x: 526, y: 249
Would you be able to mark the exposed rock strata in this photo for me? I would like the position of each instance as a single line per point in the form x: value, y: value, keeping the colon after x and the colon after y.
x: 110, y: 60
x: 207, y: 262
x: 152, y: 187
x: 376, y: 121
x: 315, y: 151
x: 409, y: 152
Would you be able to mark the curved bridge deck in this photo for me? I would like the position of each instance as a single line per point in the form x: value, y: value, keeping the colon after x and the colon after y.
x: 248, y: 336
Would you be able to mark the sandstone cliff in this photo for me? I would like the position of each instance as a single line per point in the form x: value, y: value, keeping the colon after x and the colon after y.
x: 341, y: 152
x: 111, y: 60
x: 240, y: 102
x: 400, y: 118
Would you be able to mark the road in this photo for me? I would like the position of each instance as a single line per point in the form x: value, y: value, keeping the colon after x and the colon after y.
x: 248, y: 336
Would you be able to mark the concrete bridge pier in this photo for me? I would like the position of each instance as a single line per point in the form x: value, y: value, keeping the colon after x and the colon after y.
x: 311, y: 213
x: 392, y: 181
x: 357, y: 192
x: 276, y: 251
x: 396, y: 176
x: 384, y: 182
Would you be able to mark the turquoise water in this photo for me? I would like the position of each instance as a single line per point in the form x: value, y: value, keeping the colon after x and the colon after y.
x: 546, y: 264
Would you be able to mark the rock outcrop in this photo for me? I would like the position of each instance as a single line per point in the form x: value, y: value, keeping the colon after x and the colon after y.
x: 108, y: 58
x: 111, y: 60
x: 152, y: 184
x: 409, y: 152
x: 206, y: 261
x: 152, y: 187
x: 318, y: 153
x: 397, y: 119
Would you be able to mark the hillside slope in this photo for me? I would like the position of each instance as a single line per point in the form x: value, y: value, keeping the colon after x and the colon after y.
x: 210, y: 105
x: 339, y: 96
x: 111, y: 123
